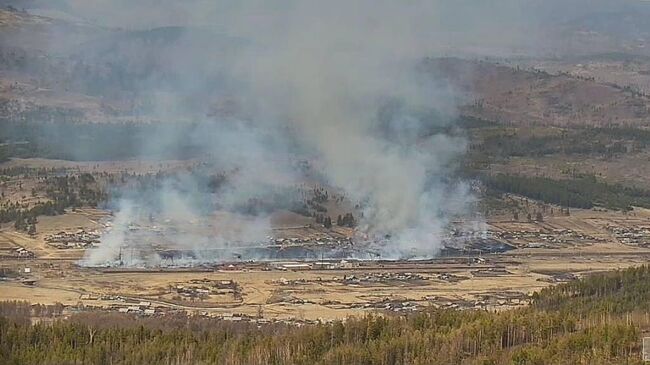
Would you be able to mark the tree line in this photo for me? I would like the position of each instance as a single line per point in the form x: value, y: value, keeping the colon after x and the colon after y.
x: 63, y: 192
x: 595, y: 320
x: 502, y: 142
x: 581, y: 192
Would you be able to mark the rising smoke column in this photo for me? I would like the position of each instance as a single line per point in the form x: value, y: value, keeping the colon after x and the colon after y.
x: 339, y: 82
x: 112, y: 242
x: 330, y: 72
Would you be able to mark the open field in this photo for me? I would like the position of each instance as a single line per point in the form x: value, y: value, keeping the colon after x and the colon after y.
x: 556, y: 250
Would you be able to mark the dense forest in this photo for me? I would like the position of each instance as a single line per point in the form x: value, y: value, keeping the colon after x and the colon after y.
x: 63, y: 192
x: 596, y: 320
x: 582, y: 192
x: 496, y: 143
x: 504, y: 142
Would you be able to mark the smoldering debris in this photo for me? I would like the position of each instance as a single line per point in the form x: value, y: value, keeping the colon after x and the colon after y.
x: 182, y: 220
x: 179, y: 246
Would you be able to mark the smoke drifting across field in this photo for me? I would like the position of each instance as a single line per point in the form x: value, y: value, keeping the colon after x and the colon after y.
x: 333, y: 82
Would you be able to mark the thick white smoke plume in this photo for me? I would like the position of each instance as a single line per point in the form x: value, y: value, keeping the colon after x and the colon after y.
x: 346, y: 79
x: 337, y: 83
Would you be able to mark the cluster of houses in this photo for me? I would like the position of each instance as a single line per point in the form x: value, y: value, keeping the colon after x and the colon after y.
x: 325, y: 240
x: 552, y: 239
x: 21, y: 252
x: 126, y: 306
x: 484, y: 301
x: 203, y: 288
x: 559, y: 278
x: 16, y: 253
x: 634, y: 236
x: 287, y: 282
x: 391, y: 305
x: 316, y: 265
x: 146, y: 308
x: 79, y: 239
x: 384, y: 277
x: 142, y: 307
x: 450, y: 278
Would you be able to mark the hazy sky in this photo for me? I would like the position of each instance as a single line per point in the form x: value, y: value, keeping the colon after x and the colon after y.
x: 457, y: 15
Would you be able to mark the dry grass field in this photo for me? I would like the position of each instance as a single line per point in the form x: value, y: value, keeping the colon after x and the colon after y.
x: 587, y: 241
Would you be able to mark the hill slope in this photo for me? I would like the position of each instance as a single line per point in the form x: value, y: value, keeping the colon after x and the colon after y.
x: 529, y: 97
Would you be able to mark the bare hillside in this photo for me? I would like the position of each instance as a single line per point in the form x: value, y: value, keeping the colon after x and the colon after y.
x: 518, y: 96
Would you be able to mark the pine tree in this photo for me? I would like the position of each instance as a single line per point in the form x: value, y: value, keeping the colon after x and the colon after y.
x: 327, y: 223
x: 20, y: 224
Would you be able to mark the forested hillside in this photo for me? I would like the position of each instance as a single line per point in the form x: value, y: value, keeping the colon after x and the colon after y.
x: 584, y: 192
x: 597, y: 320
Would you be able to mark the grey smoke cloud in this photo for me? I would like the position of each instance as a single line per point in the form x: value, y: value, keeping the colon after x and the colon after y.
x: 334, y: 82
x: 329, y: 70
x: 254, y: 86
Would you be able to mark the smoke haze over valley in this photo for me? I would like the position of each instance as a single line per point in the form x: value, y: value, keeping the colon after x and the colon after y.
x: 311, y: 86
x: 274, y: 104
x: 375, y: 182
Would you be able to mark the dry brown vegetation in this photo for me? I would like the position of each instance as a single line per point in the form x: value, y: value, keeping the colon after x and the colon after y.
x: 530, y: 97
x: 584, y: 242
